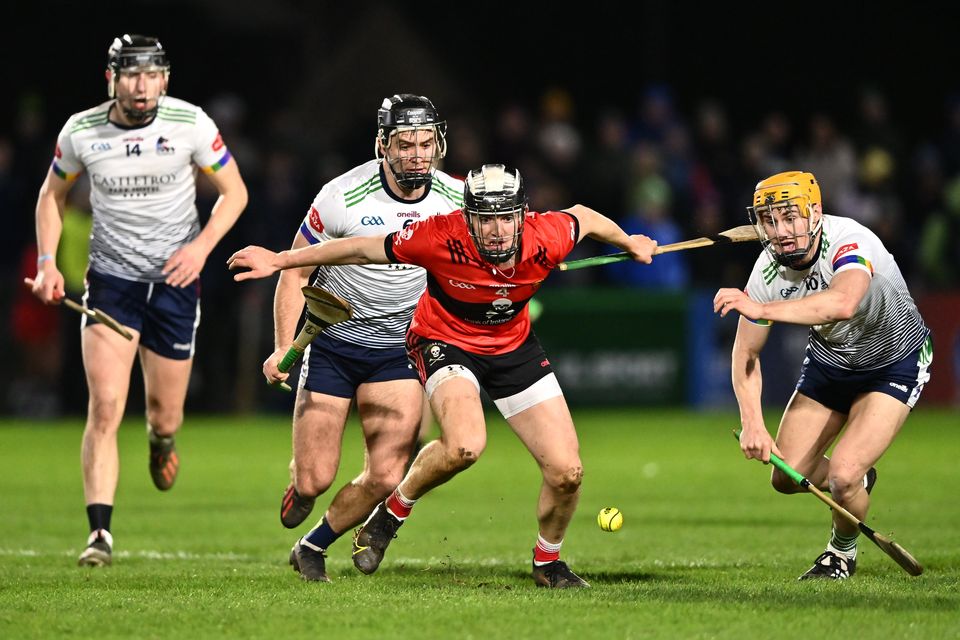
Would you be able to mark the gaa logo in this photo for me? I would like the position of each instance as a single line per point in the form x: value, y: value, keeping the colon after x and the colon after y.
x: 371, y: 221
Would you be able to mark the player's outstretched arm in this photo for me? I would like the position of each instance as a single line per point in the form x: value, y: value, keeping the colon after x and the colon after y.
x: 600, y: 227
x: 261, y: 262
x: 839, y: 302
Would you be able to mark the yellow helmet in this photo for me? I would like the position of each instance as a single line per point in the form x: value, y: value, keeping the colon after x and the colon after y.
x: 788, y: 186
x: 782, y: 190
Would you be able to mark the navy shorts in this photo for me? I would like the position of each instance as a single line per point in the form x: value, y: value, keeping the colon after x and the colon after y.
x: 337, y: 368
x: 166, y: 317
x: 836, y: 388
x: 501, y: 376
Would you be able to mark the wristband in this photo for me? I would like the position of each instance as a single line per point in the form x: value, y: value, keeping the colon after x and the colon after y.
x: 43, y: 258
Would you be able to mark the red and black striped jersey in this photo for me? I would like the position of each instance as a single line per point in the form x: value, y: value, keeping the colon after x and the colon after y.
x: 469, y: 302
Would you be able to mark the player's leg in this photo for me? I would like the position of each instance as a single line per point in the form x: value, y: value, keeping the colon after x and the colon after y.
x: 457, y: 407
x: 389, y: 415
x: 875, y: 419
x: 463, y: 436
x: 806, y: 431
x: 165, y: 382
x: 528, y: 395
x: 318, y: 423
x: 331, y: 373
x: 424, y: 430
x: 876, y: 416
x: 454, y: 392
x: 546, y: 429
x: 167, y: 345
x: 107, y: 360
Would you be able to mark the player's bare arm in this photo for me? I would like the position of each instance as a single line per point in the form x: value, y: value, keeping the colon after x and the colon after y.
x: 837, y: 303
x: 755, y: 440
x: 287, y: 304
x: 186, y: 263
x: 262, y: 262
x: 599, y: 227
x: 48, y: 285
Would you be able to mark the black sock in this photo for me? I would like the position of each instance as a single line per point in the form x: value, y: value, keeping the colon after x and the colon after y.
x: 99, y: 516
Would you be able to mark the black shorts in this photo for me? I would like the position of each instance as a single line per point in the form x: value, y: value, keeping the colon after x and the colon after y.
x: 500, y: 376
x: 166, y: 317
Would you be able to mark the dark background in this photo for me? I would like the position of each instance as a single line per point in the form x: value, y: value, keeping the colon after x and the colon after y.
x: 316, y: 56
x: 294, y: 87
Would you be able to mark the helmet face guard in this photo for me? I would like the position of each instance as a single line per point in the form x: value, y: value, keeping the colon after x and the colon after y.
x: 783, y: 214
x: 136, y: 54
x: 495, y: 207
x: 411, y: 138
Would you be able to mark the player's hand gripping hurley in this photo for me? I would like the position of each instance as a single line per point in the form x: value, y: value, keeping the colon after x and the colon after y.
x: 323, y: 310
x: 900, y: 555
x: 100, y: 316
x: 737, y: 234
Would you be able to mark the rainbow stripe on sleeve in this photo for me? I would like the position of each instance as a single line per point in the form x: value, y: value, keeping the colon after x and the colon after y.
x: 218, y: 165
x: 848, y: 259
x: 759, y: 321
x: 63, y: 174
x: 305, y: 232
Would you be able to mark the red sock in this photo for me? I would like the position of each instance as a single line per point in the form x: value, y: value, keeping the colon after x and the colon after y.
x: 546, y: 552
x: 399, y: 506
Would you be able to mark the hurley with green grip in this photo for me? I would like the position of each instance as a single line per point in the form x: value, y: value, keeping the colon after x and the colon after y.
x: 323, y: 310
x: 737, y: 234
x: 900, y: 555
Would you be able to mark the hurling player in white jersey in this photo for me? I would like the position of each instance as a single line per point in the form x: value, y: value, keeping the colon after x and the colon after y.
x: 365, y: 357
x: 140, y: 150
x: 866, y: 362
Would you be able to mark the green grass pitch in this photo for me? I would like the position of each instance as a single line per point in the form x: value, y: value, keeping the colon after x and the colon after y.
x: 708, y: 549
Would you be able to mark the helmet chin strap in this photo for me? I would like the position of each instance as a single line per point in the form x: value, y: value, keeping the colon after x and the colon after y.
x: 139, y: 116
x: 796, y: 259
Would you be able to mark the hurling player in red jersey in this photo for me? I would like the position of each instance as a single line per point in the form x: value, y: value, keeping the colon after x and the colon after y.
x: 471, y: 329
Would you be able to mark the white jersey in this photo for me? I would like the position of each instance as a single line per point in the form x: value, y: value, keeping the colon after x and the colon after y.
x: 142, y: 182
x: 383, y: 297
x: 886, y: 326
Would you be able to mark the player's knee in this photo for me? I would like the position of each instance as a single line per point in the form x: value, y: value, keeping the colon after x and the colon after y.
x: 844, y: 485
x: 782, y: 483
x: 105, y: 411
x: 312, y: 482
x: 463, y: 454
x: 379, y: 485
x: 164, y: 420
x: 566, y: 479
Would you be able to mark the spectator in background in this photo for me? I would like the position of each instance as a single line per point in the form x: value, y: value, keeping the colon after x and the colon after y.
x: 830, y: 155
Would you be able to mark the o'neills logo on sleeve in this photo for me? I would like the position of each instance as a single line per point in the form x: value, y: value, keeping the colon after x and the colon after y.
x: 315, y: 220
x: 217, y: 143
x: 845, y: 249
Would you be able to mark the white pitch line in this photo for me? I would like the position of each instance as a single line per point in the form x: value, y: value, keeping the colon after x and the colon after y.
x: 148, y: 554
x: 426, y: 563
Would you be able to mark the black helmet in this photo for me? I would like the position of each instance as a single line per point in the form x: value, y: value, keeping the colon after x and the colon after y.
x: 494, y: 190
x: 132, y: 52
x: 408, y: 112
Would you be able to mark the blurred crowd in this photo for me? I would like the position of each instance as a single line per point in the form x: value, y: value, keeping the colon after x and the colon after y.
x: 672, y: 171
